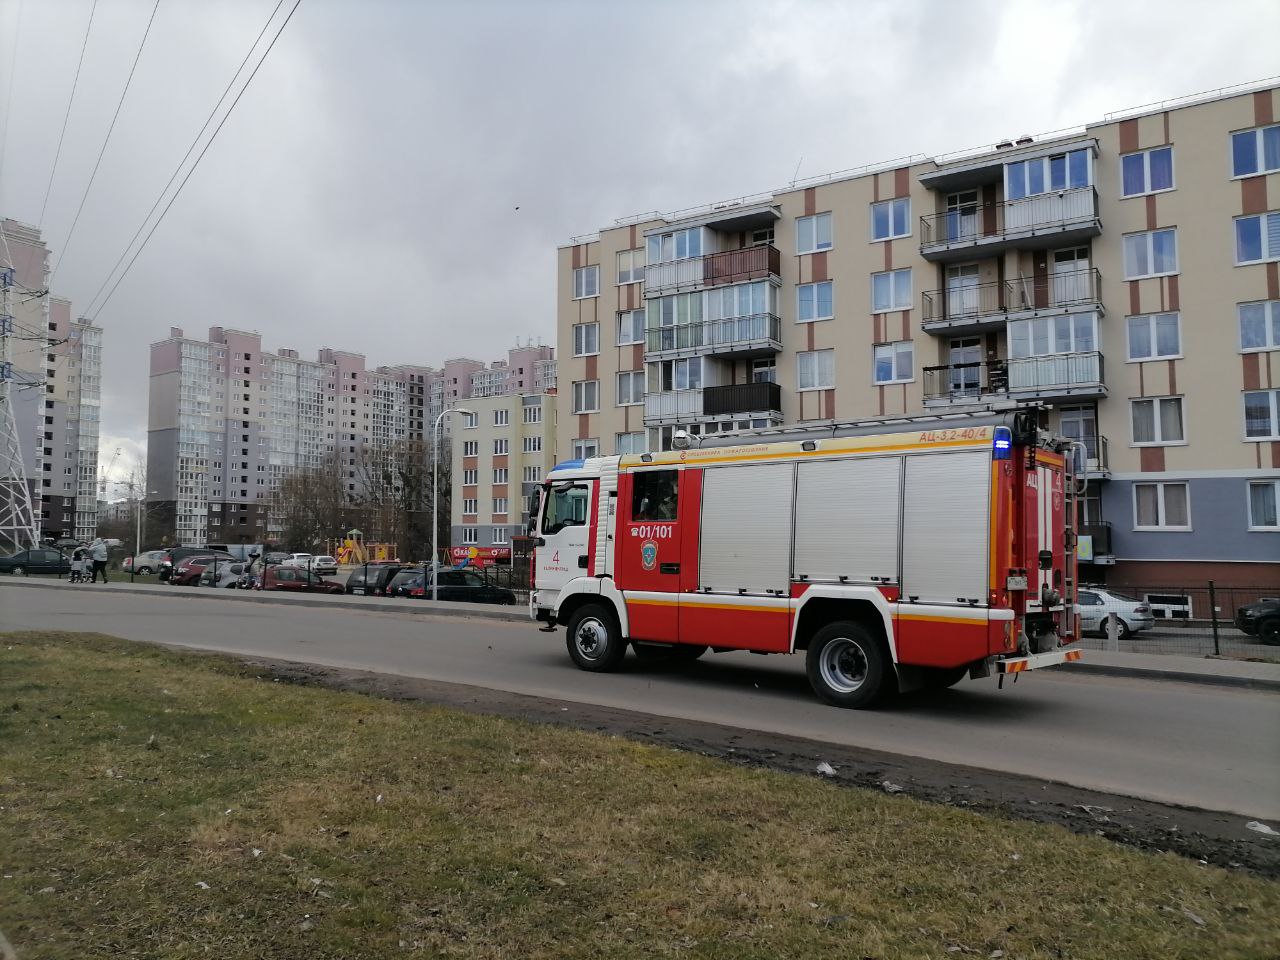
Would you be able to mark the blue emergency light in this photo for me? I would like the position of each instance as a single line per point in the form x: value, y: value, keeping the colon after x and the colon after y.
x: 1002, y: 445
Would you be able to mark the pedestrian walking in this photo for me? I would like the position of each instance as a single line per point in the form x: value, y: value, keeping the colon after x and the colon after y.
x: 99, y: 553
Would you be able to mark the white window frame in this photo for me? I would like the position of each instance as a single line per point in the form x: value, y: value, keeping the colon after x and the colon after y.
x: 532, y: 474
x: 1146, y: 172
x: 1050, y: 325
x: 585, y: 448
x: 895, y: 351
x: 586, y: 282
x: 1155, y: 426
x: 618, y: 444
x: 1046, y: 165
x: 501, y: 505
x: 502, y: 418
x: 631, y: 377
x: 895, y: 294
x: 501, y: 447
x: 1150, y: 319
x: 471, y: 478
x: 892, y: 206
x: 1270, y: 252
x: 470, y: 506
x: 635, y: 271
x: 470, y: 421
x: 667, y: 245
x: 631, y: 317
x: 1274, y: 395
x: 814, y: 356
x: 807, y: 230
x: 813, y: 288
x: 1270, y: 325
x: 533, y: 413
x: 501, y: 474
x: 1149, y: 238
x: 580, y: 391
x: 532, y: 444
x: 470, y: 536
x: 471, y: 448
x: 1160, y: 486
x: 581, y: 347
x: 500, y: 536
x: 1259, y: 154
x: 1248, y: 495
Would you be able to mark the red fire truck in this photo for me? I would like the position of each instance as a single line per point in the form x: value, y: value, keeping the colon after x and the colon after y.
x: 895, y: 556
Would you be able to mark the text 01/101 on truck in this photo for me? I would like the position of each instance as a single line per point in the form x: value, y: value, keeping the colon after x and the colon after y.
x: 894, y: 560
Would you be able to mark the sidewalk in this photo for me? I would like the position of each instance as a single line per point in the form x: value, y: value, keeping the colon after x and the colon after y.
x: 1154, y: 666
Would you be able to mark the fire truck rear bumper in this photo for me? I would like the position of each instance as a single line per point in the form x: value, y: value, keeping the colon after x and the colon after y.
x: 1037, y: 660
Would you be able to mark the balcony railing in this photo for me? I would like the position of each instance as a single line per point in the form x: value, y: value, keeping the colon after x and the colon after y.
x: 958, y: 305
x: 1071, y: 288
x: 998, y: 225
x: 673, y: 405
x: 1100, y: 533
x: 741, y: 398
x: 1097, y: 459
x: 713, y: 270
x: 1062, y: 374
x: 988, y: 304
x: 719, y: 336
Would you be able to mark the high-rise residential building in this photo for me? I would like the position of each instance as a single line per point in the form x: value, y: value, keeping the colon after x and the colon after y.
x: 1125, y: 274
x: 55, y: 390
x: 228, y: 421
x: 501, y: 452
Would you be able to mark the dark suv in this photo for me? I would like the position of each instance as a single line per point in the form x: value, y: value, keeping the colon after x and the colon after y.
x: 372, y: 580
x: 1261, y: 620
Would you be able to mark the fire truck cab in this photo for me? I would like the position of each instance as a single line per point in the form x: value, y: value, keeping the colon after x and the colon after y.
x: 892, y: 558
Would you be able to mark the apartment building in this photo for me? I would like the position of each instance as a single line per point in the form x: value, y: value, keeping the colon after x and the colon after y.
x: 228, y: 421
x: 1005, y: 275
x: 54, y: 387
x: 501, y: 452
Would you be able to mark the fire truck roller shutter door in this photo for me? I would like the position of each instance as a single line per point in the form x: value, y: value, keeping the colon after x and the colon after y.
x: 945, y: 527
x: 847, y: 519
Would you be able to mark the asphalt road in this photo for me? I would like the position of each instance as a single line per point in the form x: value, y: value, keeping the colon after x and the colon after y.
x: 1210, y: 747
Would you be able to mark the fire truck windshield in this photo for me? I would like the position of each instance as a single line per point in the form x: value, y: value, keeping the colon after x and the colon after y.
x: 565, y: 505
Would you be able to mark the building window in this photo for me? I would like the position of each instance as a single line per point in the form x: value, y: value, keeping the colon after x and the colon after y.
x: 677, y: 245
x: 815, y: 301
x: 1258, y: 238
x: 1045, y: 336
x: 1161, y: 506
x: 630, y: 327
x: 1150, y: 254
x: 676, y: 374
x: 470, y: 421
x: 500, y: 535
x: 501, y: 418
x: 470, y: 506
x: 499, y: 504
x: 586, y: 282
x: 1154, y: 337
x: 586, y: 339
x: 630, y: 388
x: 532, y: 474
x: 1263, y: 498
x: 813, y: 233
x: 471, y: 448
x: 586, y: 396
x: 816, y: 369
x: 630, y: 266
x: 532, y: 444
x: 1157, y: 421
x: 501, y: 447
x: 894, y: 362
x: 1255, y: 151
x: 1149, y: 171
x: 500, y: 475
x: 1262, y: 414
x: 583, y: 449
x: 764, y: 370
x: 631, y: 443
x: 1259, y: 325
x: 533, y: 413
x: 470, y: 477
x: 470, y: 536
x: 1063, y: 171
x: 891, y: 290
x: 891, y: 218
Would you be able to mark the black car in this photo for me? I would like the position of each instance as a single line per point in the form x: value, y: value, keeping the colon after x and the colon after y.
x: 175, y: 554
x: 44, y: 560
x: 1261, y: 620
x: 403, y: 582
x: 464, y: 586
x: 371, y: 580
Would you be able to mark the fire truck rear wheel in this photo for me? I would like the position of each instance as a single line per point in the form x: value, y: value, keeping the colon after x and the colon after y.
x: 595, y: 643
x: 847, y: 665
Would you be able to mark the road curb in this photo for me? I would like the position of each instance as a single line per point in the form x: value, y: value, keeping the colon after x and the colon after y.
x: 1149, y: 673
x: 518, y: 614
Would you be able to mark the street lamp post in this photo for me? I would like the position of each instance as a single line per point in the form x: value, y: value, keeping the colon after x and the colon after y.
x: 137, y: 527
x: 435, y: 470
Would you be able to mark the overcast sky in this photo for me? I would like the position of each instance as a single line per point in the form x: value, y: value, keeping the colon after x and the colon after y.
x: 363, y: 194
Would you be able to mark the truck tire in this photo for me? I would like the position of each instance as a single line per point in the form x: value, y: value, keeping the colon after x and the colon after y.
x: 594, y: 641
x: 847, y: 666
x: 1269, y: 631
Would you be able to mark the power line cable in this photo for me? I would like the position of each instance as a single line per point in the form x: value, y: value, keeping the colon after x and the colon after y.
x: 208, y: 120
x: 199, y: 157
x: 70, y: 100
x: 105, y: 140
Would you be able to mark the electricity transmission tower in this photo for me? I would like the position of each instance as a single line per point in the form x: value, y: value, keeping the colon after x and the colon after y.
x: 17, y: 515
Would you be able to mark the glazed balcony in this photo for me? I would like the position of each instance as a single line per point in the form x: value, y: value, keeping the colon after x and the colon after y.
x: 733, y: 337
x: 1060, y: 218
x: 686, y: 406
x: 1060, y: 376
x: 712, y: 270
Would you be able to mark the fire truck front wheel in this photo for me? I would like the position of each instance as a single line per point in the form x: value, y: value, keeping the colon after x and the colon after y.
x: 847, y: 665
x: 595, y: 643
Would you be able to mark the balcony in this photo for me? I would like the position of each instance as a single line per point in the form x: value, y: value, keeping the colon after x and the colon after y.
x: 1093, y: 543
x: 733, y: 337
x: 1072, y: 291
x: 687, y: 406
x: 1045, y: 220
x: 1061, y: 376
x: 1097, y: 460
x: 712, y: 270
x: 973, y: 308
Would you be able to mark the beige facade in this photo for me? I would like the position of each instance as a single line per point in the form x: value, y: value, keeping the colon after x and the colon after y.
x: 1123, y: 274
x: 501, y: 452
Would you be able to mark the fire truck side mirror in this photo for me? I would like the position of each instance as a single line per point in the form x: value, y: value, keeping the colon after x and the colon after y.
x: 1046, y: 559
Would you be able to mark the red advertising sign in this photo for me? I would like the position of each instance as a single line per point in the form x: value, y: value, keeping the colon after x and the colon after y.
x: 480, y: 556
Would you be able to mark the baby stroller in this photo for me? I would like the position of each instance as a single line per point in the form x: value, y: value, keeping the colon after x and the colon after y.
x: 79, y: 566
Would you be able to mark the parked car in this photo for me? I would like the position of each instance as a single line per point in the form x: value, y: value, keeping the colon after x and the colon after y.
x: 371, y: 580
x: 274, y: 557
x: 41, y: 560
x: 281, y: 577
x: 174, y: 554
x: 325, y: 566
x: 147, y: 562
x: 403, y: 582
x: 466, y: 586
x: 187, y: 572
x: 303, y: 560
x: 241, y: 551
x: 1095, y: 603
x: 229, y: 575
x: 1261, y: 620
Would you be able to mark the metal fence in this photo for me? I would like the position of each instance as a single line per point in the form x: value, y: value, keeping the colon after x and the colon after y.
x: 1192, y: 620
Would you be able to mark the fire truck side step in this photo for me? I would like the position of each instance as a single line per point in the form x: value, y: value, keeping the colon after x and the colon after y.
x: 1037, y: 660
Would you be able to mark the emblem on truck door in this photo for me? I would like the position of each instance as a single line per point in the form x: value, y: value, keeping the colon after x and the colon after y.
x: 649, y: 554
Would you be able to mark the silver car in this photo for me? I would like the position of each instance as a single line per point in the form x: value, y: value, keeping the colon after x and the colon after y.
x: 1095, y: 603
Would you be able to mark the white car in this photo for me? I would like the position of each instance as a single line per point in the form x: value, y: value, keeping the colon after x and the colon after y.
x: 324, y: 566
x: 297, y: 560
x: 1095, y: 603
x: 228, y: 575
